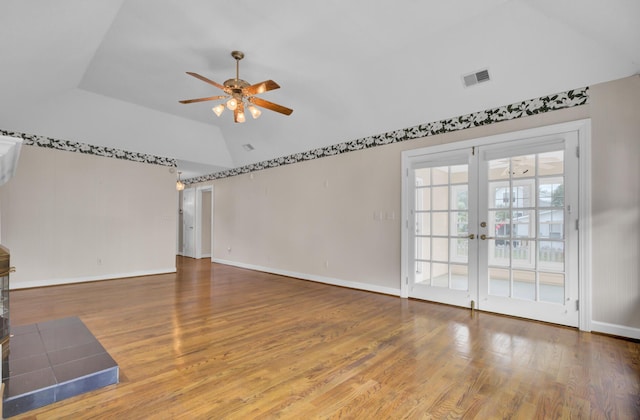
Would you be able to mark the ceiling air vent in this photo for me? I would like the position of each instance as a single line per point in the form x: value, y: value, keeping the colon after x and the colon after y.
x: 248, y: 147
x: 475, y: 78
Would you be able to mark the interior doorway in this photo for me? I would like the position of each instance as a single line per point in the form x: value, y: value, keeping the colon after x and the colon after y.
x: 189, y: 222
x: 196, y: 222
x: 204, y: 222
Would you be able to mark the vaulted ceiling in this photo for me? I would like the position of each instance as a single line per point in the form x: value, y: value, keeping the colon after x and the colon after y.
x: 110, y: 73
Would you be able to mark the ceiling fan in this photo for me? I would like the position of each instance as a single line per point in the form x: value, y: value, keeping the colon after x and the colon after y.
x: 238, y: 92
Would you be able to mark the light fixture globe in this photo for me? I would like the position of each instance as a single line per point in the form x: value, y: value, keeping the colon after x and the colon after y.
x: 179, y: 183
x: 218, y: 109
x: 255, y: 112
x: 232, y: 104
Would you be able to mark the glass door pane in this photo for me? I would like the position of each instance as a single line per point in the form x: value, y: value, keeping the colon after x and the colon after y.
x: 525, y: 207
x: 523, y: 231
x: 441, y: 219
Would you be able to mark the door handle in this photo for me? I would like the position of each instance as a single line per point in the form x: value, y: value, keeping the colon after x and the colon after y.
x: 471, y: 236
x: 485, y: 237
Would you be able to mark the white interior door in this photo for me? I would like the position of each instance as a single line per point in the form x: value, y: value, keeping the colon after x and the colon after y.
x: 188, y: 222
x: 494, y: 225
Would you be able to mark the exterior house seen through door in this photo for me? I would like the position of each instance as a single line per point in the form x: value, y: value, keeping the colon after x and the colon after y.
x: 493, y: 224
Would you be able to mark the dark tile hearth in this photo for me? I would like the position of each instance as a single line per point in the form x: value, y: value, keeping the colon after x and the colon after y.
x: 51, y: 361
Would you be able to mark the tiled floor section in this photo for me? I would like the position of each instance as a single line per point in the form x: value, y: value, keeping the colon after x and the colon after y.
x: 51, y: 361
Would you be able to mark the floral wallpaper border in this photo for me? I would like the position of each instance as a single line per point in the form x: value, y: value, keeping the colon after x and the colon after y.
x: 73, y: 146
x: 568, y: 99
x: 526, y: 108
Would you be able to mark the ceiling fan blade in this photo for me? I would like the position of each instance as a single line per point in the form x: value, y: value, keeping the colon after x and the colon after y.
x: 261, y: 87
x: 210, y: 98
x: 204, y: 79
x: 270, y: 105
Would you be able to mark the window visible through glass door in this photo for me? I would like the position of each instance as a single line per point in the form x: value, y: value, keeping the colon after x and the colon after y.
x: 442, y: 227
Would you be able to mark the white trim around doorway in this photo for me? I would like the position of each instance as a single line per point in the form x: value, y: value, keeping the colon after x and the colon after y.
x: 199, y: 221
x: 583, y: 129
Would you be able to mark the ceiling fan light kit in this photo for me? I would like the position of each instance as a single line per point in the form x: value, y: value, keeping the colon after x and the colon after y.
x: 240, y: 95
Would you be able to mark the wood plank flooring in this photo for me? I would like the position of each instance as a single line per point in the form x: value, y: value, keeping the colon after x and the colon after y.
x: 218, y: 342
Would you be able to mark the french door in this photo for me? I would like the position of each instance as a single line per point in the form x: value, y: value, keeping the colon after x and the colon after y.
x: 494, y: 226
x: 442, y: 250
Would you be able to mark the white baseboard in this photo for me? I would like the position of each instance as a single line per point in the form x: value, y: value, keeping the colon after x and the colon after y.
x: 313, y: 277
x: 615, y: 329
x: 113, y: 276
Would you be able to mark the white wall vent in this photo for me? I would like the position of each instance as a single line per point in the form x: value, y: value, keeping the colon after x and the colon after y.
x: 475, y: 78
x: 248, y: 147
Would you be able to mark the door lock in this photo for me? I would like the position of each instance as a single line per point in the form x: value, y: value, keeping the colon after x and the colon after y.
x: 483, y: 224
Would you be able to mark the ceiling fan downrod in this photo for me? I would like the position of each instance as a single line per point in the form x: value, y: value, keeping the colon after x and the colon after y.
x: 238, y: 55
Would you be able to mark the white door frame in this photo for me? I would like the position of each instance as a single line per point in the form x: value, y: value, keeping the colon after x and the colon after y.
x: 186, y: 210
x: 198, y: 222
x: 179, y: 223
x: 583, y: 128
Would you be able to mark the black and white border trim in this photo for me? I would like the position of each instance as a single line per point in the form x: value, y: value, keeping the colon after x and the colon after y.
x: 526, y: 108
x: 73, y: 146
x: 555, y: 102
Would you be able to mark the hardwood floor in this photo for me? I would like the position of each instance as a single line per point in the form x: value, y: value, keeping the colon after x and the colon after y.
x: 216, y: 342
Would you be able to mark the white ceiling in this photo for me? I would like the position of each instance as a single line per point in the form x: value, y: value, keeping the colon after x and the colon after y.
x: 110, y: 73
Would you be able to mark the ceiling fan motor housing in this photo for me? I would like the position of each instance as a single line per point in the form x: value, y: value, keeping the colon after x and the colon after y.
x: 236, y: 86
